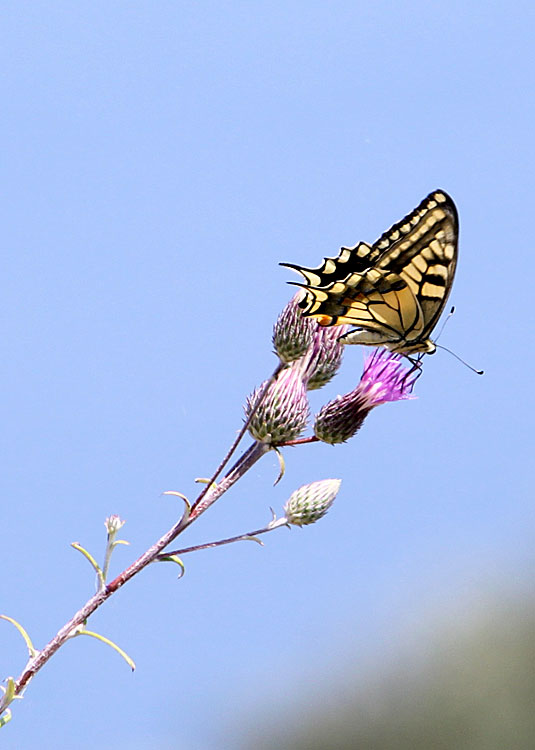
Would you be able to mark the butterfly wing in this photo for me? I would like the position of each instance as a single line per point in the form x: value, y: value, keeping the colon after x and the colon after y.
x: 424, y: 255
x: 375, y: 301
x: 348, y: 261
x: 395, y: 289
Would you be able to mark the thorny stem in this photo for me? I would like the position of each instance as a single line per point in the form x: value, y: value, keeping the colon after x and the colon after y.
x: 206, y: 498
x: 276, y: 524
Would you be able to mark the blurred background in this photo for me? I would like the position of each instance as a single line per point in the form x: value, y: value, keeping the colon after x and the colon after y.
x: 159, y: 160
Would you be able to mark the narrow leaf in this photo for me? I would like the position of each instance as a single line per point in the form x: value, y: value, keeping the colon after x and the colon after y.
x: 282, y: 466
x: 92, y: 560
x: 247, y: 538
x: 31, y: 650
x: 10, y: 690
x: 175, y: 559
x: 187, y: 509
x: 203, y: 480
x: 110, y: 643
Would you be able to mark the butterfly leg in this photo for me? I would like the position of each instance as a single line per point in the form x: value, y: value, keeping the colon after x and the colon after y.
x: 416, y: 367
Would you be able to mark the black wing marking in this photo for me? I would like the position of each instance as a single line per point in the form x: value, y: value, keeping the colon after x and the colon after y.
x: 399, y: 285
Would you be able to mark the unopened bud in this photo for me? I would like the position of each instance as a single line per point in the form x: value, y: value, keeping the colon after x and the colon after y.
x: 325, y: 356
x: 113, y: 524
x: 340, y: 419
x: 283, y: 412
x: 292, y: 333
x: 311, y: 501
x: 384, y: 379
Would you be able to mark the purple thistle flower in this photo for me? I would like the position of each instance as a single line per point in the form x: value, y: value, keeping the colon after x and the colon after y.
x: 323, y: 359
x: 384, y: 379
x: 283, y: 413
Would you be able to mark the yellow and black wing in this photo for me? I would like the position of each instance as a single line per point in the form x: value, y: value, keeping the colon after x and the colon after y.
x: 349, y: 260
x: 395, y: 289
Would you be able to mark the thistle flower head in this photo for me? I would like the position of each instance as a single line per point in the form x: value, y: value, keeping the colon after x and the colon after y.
x: 311, y: 501
x: 384, y: 379
x: 292, y: 333
x: 325, y: 356
x: 283, y: 412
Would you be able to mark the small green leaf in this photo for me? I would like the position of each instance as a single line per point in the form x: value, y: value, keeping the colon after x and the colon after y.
x: 177, y: 494
x: 187, y: 509
x: 282, y: 466
x: 174, y: 559
x: 9, y: 690
x: 92, y: 560
x: 8, y: 697
x: 31, y: 650
x: 120, y: 541
x: 110, y: 643
x: 247, y: 538
x: 203, y: 480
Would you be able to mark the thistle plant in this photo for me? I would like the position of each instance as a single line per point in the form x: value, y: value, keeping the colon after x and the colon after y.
x: 276, y: 414
x: 384, y: 379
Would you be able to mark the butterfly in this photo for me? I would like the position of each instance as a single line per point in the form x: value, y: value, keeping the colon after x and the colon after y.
x: 394, y: 291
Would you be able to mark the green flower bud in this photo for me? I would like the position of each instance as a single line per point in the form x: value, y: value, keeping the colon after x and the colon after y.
x: 325, y: 356
x: 311, y: 501
x: 384, y: 379
x: 292, y: 333
x: 283, y: 412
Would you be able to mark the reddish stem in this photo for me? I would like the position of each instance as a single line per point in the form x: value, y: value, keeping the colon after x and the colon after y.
x: 299, y: 441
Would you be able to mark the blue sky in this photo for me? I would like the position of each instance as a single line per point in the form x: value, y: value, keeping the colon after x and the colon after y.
x: 159, y: 160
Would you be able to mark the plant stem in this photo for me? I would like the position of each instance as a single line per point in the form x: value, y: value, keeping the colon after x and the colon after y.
x: 230, y: 540
x: 299, y: 441
x: 206, y: 498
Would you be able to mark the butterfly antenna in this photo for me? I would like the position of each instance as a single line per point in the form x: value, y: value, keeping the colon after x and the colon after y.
x: 478, y: 372
x: 444, y: 323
